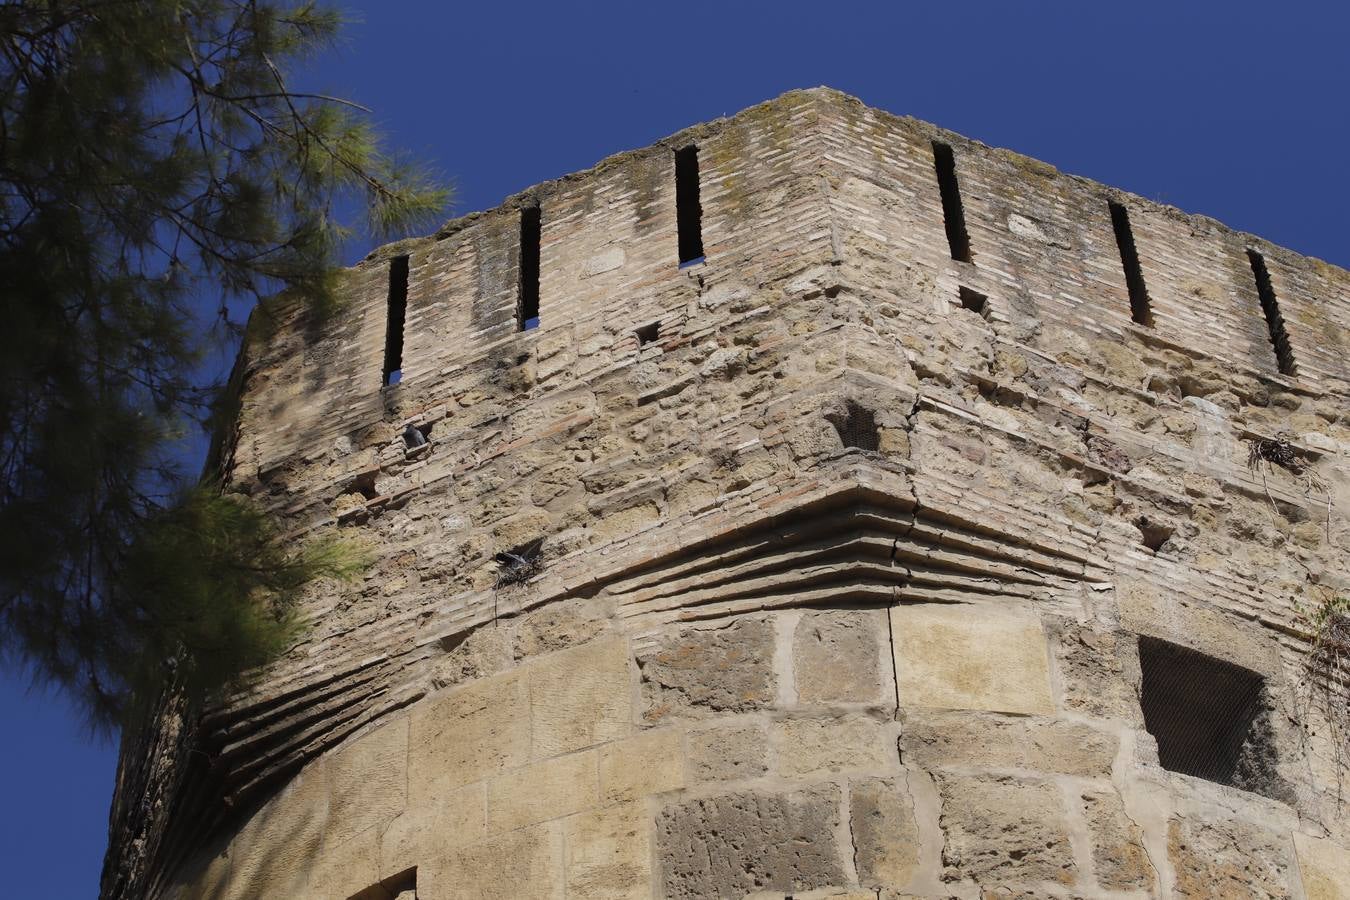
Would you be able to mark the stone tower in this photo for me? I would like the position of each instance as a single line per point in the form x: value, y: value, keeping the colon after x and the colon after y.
x: 813, y: 504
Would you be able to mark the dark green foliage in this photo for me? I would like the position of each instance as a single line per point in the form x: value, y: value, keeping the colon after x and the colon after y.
x: 151, y: 155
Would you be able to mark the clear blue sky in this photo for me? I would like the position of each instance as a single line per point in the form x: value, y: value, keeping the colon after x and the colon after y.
x: 1235, y: 109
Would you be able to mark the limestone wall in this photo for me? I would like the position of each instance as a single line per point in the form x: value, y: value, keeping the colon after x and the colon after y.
x: 843, y: 586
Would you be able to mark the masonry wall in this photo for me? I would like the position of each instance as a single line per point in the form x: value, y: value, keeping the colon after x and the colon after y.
x: 843, y: 584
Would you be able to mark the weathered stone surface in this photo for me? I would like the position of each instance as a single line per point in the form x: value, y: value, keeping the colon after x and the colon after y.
x: 527, y: 862
x: 700, y: 671
x: 968, y: 657
x: 482, y: 652
x: 1324, y: 866
x: 730, y: 845
x: 648, y: 763
x: 1099, y: 673
x: 473, y: 731
x: 1002, y: 829
x: 814, y: 425
x: 988, y: 741
x: 274, y: 854
x: 543, y: 790
x: 580, y: 697
x: 609, y: 855
x: 424, y: 828
x: 1118, y: 853
x: 555, y: 627
x: 367, y: 782
x: 1228, y: 859
x: 834, y: 744
x: 885, y: 834
x: 347, y: 868
x: 724, y: 752
x: 836, y: 656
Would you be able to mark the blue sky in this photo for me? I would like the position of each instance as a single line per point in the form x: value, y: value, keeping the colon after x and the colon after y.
x: 1236, y: 110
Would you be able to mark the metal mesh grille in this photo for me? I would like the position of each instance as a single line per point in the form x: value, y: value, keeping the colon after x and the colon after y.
x: 1210, y: 718
x: 857, y: 427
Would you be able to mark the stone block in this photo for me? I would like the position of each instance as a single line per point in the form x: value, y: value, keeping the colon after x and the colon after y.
x: 1099, y: 673
x: 702, y: 671
x: 730, y: 845
x: 973, y: 740
x: 423, y: 829
x: 648, y: 763
x: 367, y: 782
x: 834, y: 744
x: 1147, y: 610
x: 608, y: 854
x: 836, y: 656
x: 475, y: 731
x: 556, y: 626
x: 1002, y: 829
x: 580, y: 696
x: 728, y: 752
x: 274, y: 853
x: 527, y: 862
x: 1324, y: 866
x: 885, y: 833
x: 1118, y: 853
x: 348, y: 868
x: 1228, y: 859
x: 969, y: 657
x: 543, y: 790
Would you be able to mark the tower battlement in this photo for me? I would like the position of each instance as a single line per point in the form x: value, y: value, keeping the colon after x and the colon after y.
x: 871, y: 492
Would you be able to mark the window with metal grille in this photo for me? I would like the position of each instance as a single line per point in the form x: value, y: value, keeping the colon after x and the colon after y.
x: 1210, y: 717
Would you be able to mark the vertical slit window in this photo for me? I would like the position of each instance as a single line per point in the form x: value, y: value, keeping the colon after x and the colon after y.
x: 396, y: 312
x: 1279, y: 338
x: 953, y: 213
x: 688, y: 210
x: 1140, y: 309
x: 527, y: 303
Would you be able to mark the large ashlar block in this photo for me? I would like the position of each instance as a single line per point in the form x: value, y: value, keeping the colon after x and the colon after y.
x: 544, y: 790
x: 837, y: 656
x: 648, y: 763
x: 274, y: 853
x: 958, y: 739
x: 1325, y: 867
x: 834, y: 744
x: 1003, y: 829
x: 474, y: 731
x: 608, y: 854
x: 733, y: 844
x: 885, y: 833
x: 527, y: 862
x: 1118, y: 853
x: 969, y: 657
x: 580, y: 697
x: 367, y: 782
x: 425, y: 829
x: 348, y: 868
x: 1228, y: 859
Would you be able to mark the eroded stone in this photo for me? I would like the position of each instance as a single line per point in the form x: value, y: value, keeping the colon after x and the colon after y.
x: 1002, y: 829
x: 885, y: 834
x: 700, y: 671
x: 730, y: 845
x: 836, y: 656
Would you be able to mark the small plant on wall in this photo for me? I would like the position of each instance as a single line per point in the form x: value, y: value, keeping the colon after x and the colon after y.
x: 1325, y: 684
